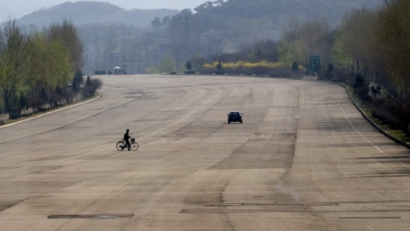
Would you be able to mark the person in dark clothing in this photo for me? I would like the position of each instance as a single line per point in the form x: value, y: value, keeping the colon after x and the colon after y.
x: 127, y: 139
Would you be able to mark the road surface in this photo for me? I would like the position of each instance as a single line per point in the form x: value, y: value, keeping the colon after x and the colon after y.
x: 304, y: 159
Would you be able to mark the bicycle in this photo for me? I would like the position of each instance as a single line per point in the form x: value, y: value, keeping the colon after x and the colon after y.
x: 121, y: 145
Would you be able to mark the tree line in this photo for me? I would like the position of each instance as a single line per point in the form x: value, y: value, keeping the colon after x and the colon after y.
x: 37, y: 68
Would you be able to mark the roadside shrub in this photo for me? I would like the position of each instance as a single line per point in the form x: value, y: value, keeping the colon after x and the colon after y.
x: 190, y: 72
x: 394, y: 111
x: 100, y: 72
x: 91, y: 87
x: 36, y: 103
x: 15, y: 113
x: 247, y: 68
x: 56, y: 98
x: 152, y: 70
x: 363, y: 92
x: 68, y: 95
x: 345, y: 76
x: 281, y: 71
x: 396, y: 107
x: 260, y: 70
x: 360, y: 81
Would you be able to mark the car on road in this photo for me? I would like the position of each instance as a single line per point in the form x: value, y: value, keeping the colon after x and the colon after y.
x: 235, y: 116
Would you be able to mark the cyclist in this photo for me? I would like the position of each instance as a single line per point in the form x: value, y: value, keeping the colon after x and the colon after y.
x: 127, y: 139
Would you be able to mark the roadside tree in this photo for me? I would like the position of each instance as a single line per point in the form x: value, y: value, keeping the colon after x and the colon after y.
x: 167, y: 65
x: 393, y: 33
x: 13, y: 64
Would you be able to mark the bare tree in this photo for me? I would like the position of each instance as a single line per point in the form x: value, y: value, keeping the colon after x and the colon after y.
x: 358, y: 40
x: 303, y: 39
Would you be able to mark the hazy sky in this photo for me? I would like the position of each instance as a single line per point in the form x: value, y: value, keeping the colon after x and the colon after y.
x: 15, y: 9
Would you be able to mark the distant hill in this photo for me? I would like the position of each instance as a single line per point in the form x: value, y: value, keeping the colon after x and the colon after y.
x: 227, y: 26
x: 223, y: 13
x: 88, y: 12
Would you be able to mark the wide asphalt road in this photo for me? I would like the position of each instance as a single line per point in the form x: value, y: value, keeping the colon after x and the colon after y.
x: 304, y: 159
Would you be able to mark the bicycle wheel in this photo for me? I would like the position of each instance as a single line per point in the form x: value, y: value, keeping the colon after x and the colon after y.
x: 135, y: 146
x: 120, y: 145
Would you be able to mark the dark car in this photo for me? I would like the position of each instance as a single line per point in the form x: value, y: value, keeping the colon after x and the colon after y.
x: 235, y: 116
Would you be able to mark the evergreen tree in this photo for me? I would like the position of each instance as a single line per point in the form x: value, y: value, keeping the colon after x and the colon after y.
x: 78, y: 78
x: 88, y: 81
x: 24, y: 101
x: 156, y: 24
x: 295, y: 66
x: 43, y: 95
x: 188, y: 65
x: 219, y: 66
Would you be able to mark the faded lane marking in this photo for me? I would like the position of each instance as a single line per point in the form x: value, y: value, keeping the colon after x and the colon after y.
x: 286, y: 190
x: 368, y: 141
x: 381, y: 151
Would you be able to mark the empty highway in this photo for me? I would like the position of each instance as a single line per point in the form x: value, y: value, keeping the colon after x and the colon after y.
x: 304, y: 159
